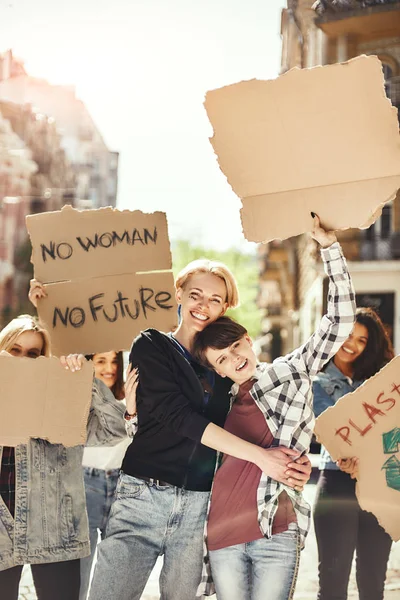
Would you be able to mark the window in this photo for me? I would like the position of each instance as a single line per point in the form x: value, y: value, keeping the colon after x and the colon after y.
x: 386, y: 222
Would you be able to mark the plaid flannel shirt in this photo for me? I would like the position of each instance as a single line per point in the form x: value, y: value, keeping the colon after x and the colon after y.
x: 282, y: 392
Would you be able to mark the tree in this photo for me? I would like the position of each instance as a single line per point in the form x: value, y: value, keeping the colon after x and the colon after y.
x: 243, y: 266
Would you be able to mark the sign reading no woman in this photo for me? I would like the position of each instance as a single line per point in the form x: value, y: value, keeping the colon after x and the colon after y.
x: 107, y: 276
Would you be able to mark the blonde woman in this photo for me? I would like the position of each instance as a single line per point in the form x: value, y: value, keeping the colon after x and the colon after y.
x: 43, y: 520
x: 163, y: 491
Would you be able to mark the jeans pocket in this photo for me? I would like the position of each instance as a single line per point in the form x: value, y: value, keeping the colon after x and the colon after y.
x: 129, y: 487
x: 67, y: 519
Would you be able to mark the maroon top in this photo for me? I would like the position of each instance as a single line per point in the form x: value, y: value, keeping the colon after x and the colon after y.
x: 233, y: 514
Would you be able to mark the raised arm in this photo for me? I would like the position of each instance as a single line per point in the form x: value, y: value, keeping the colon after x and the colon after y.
x: 336, y: 325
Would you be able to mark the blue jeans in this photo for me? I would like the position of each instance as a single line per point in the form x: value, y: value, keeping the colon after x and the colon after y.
x: 265, y: 569
x: 100, y: 488
x: 147, y: 521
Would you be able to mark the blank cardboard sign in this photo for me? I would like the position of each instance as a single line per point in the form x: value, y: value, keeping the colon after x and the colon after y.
x: 43, y: 400
x: 106, y: 274
x: 366, y: 424
x: 324, y: 139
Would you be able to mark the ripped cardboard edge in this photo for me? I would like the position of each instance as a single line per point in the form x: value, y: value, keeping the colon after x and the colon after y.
x: 73, y: 244
x: 244, y: 156
x: 54, y: 402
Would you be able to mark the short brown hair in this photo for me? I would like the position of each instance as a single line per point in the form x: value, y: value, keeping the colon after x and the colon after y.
x: 203, y: 265
x: 220, y: 334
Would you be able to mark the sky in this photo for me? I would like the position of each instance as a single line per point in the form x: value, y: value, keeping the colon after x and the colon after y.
x: 143, y: 67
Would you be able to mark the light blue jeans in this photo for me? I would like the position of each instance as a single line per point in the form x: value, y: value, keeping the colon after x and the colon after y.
x: 265, y: 569
x: 147, y: 521
x: 100, y: 488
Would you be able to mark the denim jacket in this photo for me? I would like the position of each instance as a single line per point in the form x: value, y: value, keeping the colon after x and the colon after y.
x: 50, y: 522
x: 328, y: 387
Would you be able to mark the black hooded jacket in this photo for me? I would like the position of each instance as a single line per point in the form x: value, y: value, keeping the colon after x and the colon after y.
x: 172, y: 416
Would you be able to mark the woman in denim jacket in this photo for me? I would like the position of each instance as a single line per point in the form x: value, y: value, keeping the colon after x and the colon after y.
x: 341, y: 526
x: 43, y: 520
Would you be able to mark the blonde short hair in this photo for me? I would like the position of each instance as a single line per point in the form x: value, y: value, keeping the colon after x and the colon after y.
x: 203, y: 265
x: 10, y: 333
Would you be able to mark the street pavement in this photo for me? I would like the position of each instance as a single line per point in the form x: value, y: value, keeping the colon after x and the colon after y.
x: 306, y: 588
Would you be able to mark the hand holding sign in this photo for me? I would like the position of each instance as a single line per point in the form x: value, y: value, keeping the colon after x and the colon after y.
x: 324, y: 139
x: 36, y: 292
x: 366, y: 424
x: 106, y: 276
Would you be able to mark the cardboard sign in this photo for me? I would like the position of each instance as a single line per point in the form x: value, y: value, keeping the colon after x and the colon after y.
x: 324, y: 140
x: 72, y: 244
x: 104, y: 313
x: 43, y: 400
x: 366, y: 424
x: 107, y: 276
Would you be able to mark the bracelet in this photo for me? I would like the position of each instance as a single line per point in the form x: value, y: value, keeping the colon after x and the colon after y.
x: 129, y: 417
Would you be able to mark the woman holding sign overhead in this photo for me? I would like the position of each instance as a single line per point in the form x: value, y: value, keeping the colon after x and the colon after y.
x: 341, y: 527
x: 101, y: 464
x: 163, y: 492
x: 43, y: 519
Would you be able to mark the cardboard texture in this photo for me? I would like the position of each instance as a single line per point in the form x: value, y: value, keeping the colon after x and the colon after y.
x: 324, y: 139
x: 366, y: 424
x: 73, y: 244
x: 104, y: 313
x: 107, y: 276
x: 43, y: 400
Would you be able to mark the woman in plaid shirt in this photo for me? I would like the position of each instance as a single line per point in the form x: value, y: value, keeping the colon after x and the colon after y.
x: 257, y: 525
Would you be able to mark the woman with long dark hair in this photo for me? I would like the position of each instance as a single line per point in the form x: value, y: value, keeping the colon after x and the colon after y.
x: 341, y: 526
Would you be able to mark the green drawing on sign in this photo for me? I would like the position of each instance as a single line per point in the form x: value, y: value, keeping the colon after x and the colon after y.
x: 392, y: 466
x: 391, y: 441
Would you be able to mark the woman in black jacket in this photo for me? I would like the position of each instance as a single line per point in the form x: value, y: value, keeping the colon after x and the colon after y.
x: 163, y: 491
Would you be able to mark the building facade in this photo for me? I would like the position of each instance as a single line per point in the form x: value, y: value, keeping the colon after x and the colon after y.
x: 292, y: 283
x: 51, y: 154
x: 95, y: 166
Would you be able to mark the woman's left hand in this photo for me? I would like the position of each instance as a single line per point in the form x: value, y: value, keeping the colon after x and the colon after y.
x: 299, y: 472
x: 73, y: 362
x: 349, y: 465
x: 131, y: 384
x: 324, y: 238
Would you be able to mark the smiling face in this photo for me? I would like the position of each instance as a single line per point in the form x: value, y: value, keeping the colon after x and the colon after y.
x: 203, y: 300
x: 352, y: 348
x: 29, y: 344
x: 106, y: 367
x: 238, y: 361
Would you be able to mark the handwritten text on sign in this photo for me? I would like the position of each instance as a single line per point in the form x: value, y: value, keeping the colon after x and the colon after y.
x: 373, y: 410
x: 99, y: 314
x: 365, y: 424
x: 72, y: 244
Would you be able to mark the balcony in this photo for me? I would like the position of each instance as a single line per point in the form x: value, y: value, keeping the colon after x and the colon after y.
x: 367, y: 19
